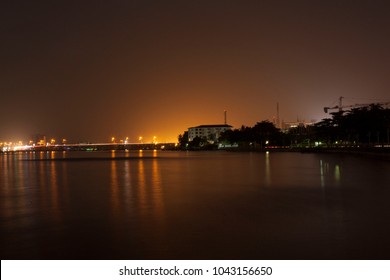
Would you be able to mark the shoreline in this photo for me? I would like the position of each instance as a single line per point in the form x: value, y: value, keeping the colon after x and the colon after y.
x: 373, y: 152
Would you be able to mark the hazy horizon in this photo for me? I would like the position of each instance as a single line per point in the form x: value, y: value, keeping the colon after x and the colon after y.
x: 88, y: 71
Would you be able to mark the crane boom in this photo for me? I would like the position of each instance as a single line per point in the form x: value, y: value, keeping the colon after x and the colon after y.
x: 340, y: 106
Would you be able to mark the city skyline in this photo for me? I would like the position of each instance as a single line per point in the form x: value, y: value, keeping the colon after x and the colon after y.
x: 88, y: 71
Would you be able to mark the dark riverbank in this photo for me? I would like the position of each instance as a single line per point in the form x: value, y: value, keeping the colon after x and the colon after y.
x: 373, y: 152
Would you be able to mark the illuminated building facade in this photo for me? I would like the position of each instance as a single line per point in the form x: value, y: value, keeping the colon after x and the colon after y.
x: 209, y: 132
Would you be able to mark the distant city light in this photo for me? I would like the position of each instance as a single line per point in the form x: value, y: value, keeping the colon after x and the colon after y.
x: 11, y: 147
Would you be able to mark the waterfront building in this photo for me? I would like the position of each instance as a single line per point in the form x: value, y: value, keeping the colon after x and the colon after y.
x: 210, y: 132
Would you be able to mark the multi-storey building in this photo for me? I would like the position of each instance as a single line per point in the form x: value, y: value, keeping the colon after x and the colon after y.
x: 209, y: 132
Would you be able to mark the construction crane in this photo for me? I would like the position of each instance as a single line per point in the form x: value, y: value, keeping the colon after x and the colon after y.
x: 340, y: 107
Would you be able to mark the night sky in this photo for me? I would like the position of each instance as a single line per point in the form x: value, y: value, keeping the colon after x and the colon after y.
x: 90, y: 70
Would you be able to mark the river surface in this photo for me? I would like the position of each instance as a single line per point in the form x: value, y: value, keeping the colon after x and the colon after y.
x: 193, y: 205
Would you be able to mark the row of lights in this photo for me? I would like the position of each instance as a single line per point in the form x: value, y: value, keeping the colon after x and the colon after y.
x: 126, y: 140
x: 11, y: 146
x: 41, y: 142
x: 53, y: 141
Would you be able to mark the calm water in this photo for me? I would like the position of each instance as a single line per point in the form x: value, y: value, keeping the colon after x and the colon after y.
x: 193, y: 205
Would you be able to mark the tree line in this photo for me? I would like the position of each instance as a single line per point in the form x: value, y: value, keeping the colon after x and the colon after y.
x: 363, y: 127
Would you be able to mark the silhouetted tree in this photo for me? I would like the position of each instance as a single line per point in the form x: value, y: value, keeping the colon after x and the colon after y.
x: 359, y: 126
x: 263, y: 133
x: 183, y: 140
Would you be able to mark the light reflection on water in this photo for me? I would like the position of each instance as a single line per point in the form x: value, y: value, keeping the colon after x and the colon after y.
x: 201, y: 205
x: 267, y: 175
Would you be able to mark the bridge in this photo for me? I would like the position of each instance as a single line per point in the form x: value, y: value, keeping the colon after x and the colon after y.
x: 94, y: 147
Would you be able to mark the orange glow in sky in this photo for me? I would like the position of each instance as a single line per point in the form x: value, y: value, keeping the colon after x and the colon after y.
x: 131, y: 68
